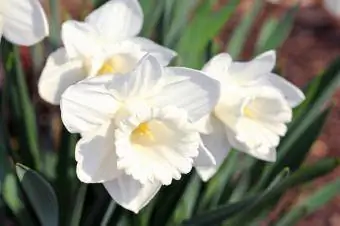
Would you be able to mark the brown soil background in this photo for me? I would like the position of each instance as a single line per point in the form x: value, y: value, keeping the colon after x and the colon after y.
x: 311, y: 46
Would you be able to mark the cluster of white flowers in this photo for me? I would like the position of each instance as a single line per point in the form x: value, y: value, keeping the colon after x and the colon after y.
x: 143, y: 123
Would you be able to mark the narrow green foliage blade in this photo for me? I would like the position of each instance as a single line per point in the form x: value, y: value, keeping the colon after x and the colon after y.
x: 310, y: 204
x: 272, y: 37
x: 241, y: 32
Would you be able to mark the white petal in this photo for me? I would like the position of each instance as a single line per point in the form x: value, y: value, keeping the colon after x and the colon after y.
x: 25, y: 22
x: 204, y: 158
x: 164, y: 154
x: 58, y: 74
x: 293, y: 94
x: 247, y: 73
x: 80, y: 40
x: 117, y: 19
x: 204, y: 124
x: 262, y: 152
x: 96, y: 156
x: 118, y: 57
x: 217, y: 144
x: 141, y: 82
x: 161, y: 53
x: 267, y: 104
x: 197, y: 94
x: 131, y: 194
x: 254, y: 134
x: 218, y: 66
x: 87, y: 105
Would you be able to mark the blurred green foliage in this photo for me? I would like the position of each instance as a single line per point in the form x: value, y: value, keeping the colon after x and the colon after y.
x: 46, y: 192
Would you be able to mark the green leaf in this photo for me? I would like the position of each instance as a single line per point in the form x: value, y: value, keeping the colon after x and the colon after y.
x: 215, y: 187
x: 241, y: 32
x: 213, y: 217
x: 282, y: 175
x: 65, y: 172
x: 319, y: 90
x: 268, y: 27
x: 55, y: 23
x: 167, y: 200
x: 266, y: 198
x: 22, y: 108
x: 40, y: 195
x: 152, y: 12
x: 310, y: 204
x: 108, y: 213
x: 167, y: 15
x: 181, y: 13
x: 187, y: 204
x: 239, y: 191
x: 11, y: 194
x: 78, y: 207
x: 144, y: 216
x: 94, y: 209
x: 194, y: 40
x: 274, y: 33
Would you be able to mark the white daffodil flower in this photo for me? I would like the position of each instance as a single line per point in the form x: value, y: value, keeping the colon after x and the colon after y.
x: 138, y: 129
x: 22, y: 22
x: 254, y: 107
x: 104, y: 43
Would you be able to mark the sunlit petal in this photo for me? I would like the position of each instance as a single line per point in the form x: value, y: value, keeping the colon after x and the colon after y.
x: 24, y: 22
x: 58, y: 74
x: 130, y: 193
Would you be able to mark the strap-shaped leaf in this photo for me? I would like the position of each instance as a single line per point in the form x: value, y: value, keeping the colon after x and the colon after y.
x: 205, y: 25
x: 187, y: 204
x: 218, y: 215
x: 78, y: 206
x: 227, y: 211
x: 179, y: 20
x: 40, y: 195
x: 265, y: 199
x: 274, y: 32
x: 167, y: 200
x: 241, y: 33
x: 216, y: 185
x: 310, y: 204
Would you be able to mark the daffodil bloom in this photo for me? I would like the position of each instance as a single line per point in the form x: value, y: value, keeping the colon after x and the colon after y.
x: 138, y: 130
x: 104, y: 43
x: 254, y: 107
x: 22, y: 22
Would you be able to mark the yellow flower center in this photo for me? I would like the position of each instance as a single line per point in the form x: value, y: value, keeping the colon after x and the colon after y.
x: 248, y: 112
x: 115, y: 64
x: 142, y: 133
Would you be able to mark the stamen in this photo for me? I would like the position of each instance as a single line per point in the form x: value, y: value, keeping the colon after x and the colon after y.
x: 110, y: 66
x: 116, y: 64
x: 142, y: 132
x: 248, y: 112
